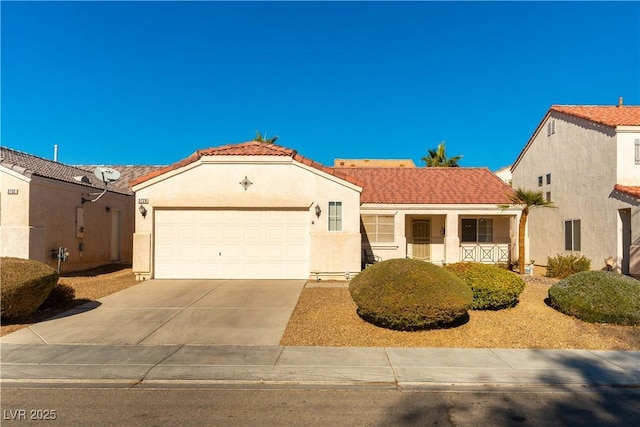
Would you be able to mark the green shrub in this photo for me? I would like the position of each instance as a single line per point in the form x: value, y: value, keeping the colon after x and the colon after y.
x: 493, y: 287
x: 60, y: 297
x: 564, y: 266
x: 598, y: 297
x: 25, y: 286
x: 408, y: 295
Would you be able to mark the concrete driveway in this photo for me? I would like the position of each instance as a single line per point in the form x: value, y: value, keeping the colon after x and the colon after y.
x: 159, y: 312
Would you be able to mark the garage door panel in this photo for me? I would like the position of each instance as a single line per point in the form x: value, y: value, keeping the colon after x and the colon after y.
x: 254, y: 252
x: 295, y: 253
x: 253, y: 234
x: 224, y: 244
x: 274, y: 252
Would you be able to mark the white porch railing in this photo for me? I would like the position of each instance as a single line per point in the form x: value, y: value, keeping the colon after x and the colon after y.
x: 485, y: 253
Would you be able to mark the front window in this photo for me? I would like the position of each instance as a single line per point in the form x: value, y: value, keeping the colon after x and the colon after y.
x: 378, y: 228
x: 572, y: 235
x: 335, y: 216
x: 477, y: 230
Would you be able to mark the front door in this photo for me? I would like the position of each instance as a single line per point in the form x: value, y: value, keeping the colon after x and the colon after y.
x: 624, y: 239
x: 421, y: 239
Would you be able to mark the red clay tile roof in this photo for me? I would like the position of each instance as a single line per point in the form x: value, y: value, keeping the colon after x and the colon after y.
x: 630, y: 190
x: 251, y: 148
x: 609, y: 115
x: 431, y: 186
x: 127, y: 173
x: 373, y: 163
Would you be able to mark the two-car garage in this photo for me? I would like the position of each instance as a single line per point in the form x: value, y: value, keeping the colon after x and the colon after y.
x: 231, y: 244
x: 246, y: 211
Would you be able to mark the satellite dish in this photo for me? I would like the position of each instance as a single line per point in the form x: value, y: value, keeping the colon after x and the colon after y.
x: 106, y: 175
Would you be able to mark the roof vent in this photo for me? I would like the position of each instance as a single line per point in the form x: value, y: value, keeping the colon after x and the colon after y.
x: 82, y: 178
x: 620, y: 102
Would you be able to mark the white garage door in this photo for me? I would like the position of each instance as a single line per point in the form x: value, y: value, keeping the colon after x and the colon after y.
x: 231, y: 244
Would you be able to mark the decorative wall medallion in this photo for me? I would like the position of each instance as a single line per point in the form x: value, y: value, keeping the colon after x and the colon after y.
x: 245, y: 183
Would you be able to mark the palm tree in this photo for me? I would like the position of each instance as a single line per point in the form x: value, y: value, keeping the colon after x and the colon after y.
x: 438, y: 158
x: 264, y: 138
x: 528, y: 199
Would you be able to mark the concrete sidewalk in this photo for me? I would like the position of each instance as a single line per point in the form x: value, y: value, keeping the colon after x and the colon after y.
x: 146, y: 366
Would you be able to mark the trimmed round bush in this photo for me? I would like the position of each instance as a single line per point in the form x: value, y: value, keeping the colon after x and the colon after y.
x: 494, y: 288
x: 598, y: 297
x: 408, y: 295
x: 25, y: 286
x: 60, y: 296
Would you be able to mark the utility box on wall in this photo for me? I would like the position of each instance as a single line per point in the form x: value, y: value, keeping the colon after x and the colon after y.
x: 79, y: 222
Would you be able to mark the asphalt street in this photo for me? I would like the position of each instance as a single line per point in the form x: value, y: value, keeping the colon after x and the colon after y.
x: 200, y: 407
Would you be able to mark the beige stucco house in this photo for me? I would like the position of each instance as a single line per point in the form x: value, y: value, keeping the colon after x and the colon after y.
x: 586, y: 160
x: 256, y: 210
x: 43, y: 206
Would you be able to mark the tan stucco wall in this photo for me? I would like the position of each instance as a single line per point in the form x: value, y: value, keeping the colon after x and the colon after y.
x: 277, y: 182
x: 42, y: 217
x: 581, y: 158
x: 627, y: 172
x: 15, y: 232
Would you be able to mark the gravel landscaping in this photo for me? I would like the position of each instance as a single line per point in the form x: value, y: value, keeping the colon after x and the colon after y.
x: 326, y: 316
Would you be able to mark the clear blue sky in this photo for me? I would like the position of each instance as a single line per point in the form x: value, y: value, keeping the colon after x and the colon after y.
x: 150, y: 83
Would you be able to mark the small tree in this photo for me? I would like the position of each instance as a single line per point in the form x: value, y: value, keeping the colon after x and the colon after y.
x: 264, y: 138
x: 527, y: 199
x: 437, y: 157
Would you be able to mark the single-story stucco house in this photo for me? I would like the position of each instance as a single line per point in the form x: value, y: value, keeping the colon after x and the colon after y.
x: 45, y: 205
x: 258, y: 210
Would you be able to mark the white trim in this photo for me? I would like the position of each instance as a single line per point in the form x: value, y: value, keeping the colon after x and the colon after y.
x: 441, y: 209
x: 245, y: 160
x: 15, y: 174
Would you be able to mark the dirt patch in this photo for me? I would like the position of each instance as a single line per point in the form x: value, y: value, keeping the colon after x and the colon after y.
x: 326, y: 316
x: 90, y: 285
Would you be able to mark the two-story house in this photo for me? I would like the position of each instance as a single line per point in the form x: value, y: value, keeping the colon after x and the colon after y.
x: 586, y: 160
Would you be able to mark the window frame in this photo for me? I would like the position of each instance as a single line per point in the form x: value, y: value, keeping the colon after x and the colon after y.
x: 540, y: 181
x: 374, y: 234
x: 548, y: 179
x: 480, y: 237
x: 637, y: 151
x: 572, y: 235
x: 334, y: 219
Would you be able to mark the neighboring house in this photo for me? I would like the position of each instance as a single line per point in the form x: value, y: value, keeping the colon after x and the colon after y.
x: 505, y: 174
x: 43, y: 206
x: 374, y: 163
x: 586, y: 160
x: 256, y: 210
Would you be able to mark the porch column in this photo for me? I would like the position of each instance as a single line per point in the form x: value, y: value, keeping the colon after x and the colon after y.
x: 451, y: 239
x: 400, y: 237
x: 514, y: 237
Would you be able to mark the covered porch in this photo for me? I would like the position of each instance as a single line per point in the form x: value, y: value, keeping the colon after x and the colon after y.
x: 488, y: 235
